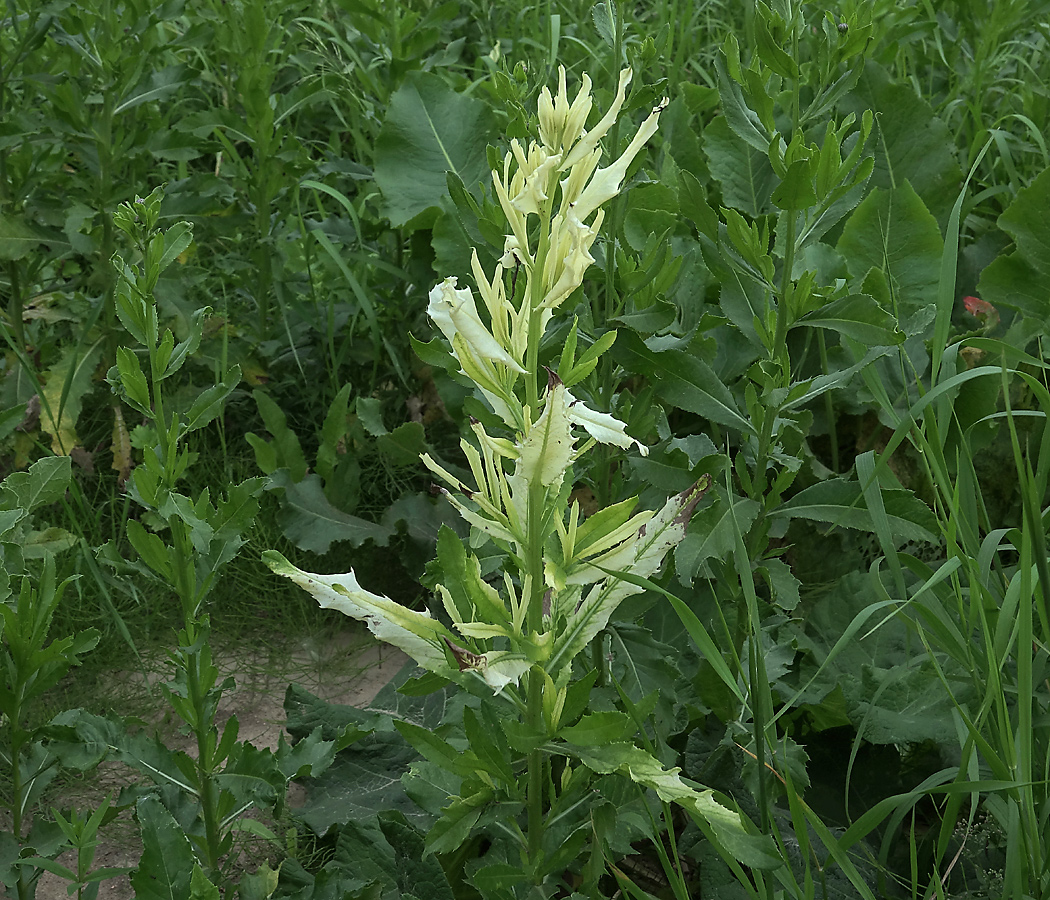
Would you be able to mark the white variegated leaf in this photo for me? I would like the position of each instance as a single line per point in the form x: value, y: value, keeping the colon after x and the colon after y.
x: 416, y: 633
x: 640, y: 556
x: 546, y: 452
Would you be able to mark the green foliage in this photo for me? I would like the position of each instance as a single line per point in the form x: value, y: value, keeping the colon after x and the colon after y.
x: 781, y: 300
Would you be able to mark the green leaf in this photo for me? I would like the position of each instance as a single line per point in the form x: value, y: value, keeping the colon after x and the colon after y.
x: 209, y: 403
x: 451, y: 831
x: 286, y: 444
x: 712, y: 535
x: 44, y: 482
x: 201, y: 887
x: 404, y: 445
x: 783, y: 583
x: 604, y: 17
x: 912, y: 143
x: 472, y: 598
x: 1012, y: 281
x: 17, y: 237
x: 68, y: 383
x: 153, y: 551
x: 742, y: 171
x: 598, y: 728
x: 860, y: 317
x: 187, y: 347
x: 742, y: 120
x: 166, y: 866
x: 132, y: 380
x: 1025, y: 220
x: 893, y: 233
x: 429, y: 130
x: 176, y: 240
x: 841, y: 503
x: 310, y: 522
x: 333, y: 433
x: 1021, y: 279
x: 796, y: 190
x: 891, y: 694
x: 365, y: 777
x: 683, y: 380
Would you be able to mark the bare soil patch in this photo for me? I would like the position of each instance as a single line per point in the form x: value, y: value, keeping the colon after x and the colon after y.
x: 348, y: 667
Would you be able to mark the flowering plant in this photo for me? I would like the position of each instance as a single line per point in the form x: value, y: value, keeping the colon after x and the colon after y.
x: 566, y: 574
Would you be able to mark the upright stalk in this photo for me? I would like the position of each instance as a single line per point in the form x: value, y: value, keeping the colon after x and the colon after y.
x: 534, y: 573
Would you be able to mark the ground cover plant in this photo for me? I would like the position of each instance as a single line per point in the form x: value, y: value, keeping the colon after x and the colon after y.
x: 717, y: 529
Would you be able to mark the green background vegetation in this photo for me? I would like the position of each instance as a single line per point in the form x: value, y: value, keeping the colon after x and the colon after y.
x: 871, y: 565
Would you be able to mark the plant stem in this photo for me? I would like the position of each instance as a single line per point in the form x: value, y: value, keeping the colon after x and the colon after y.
x: 829, y: 407
x: 534, y: 550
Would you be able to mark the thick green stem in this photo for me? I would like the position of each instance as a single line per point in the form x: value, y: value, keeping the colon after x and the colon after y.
x: 536, y: 760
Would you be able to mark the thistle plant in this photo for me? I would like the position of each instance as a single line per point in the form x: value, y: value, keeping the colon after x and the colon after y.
x: 519, y: 646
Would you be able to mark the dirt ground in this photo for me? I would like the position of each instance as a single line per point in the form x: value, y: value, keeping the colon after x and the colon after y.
x: 348, y: 667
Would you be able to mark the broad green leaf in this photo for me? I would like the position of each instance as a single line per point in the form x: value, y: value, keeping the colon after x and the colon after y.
x: 712, y: 535
x: 841, y: 503
x: 891, y: 694
x: 309, y: 521
x: 673, y: 466
x: 333, y: 432
x: 17, y: 237
x: 62, y: 398
x: 858, y: 316
x: 201, y: 887
x: 796, y: 191
x: 598, y: 728
x: 403, y: 445
x: 1025, y: 220
x: 783, y: 583
x: 911, y: 144
x: 307, y: 758
x: 429, y: 130
x: 185, y: 348
x: 1021, y: 279
x: 382, y: 857
x: 742, y: 120
x: 47, y: 542
x: 153, y: 551
x: 44, y: 482
x: 437, y: 750
x: 893, y: 232
x: 369, y: 412
x: 742, y: 171
x: 682, y: 379
x: 365, y: 778
x: 167, y: 862
x: 1013, y: 282
x: 176, y: 240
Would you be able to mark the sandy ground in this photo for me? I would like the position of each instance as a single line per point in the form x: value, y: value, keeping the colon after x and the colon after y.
x: 348, y: 667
